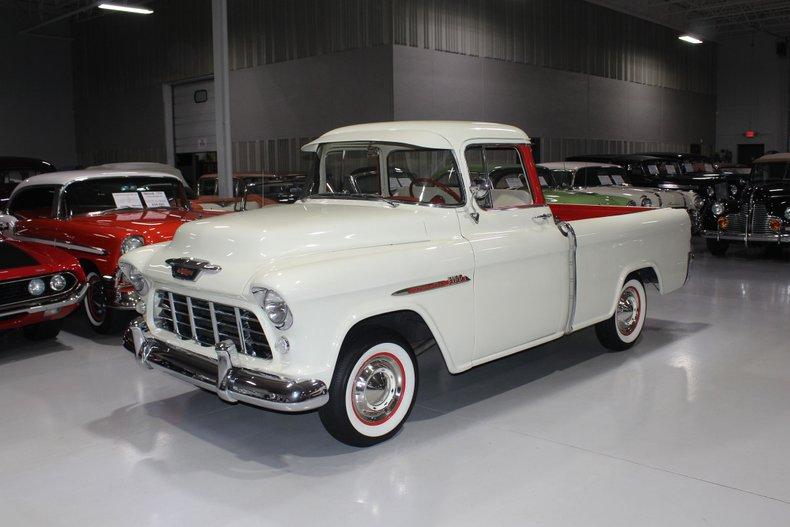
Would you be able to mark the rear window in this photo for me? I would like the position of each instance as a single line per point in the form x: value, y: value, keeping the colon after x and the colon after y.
x: 34, y: 202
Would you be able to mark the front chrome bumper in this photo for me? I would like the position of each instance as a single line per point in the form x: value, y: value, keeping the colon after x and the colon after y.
x: 232, y: 384
x: 748, y: 238
x: 72, y: 299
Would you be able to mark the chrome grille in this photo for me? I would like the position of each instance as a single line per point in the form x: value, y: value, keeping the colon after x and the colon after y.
x: 737, y: 222
x: 721, y: 191
x: 208, y: 322
x: 757, y: 220
x: 759, y: 224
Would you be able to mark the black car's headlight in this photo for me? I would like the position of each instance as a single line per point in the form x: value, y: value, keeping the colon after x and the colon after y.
x: 135, y: 277
x: 787, y: 213
x: 275, y: 307
x: 699, y: 202
x: 710, y: 192
x: 131, y: 243
x: 717, y: 209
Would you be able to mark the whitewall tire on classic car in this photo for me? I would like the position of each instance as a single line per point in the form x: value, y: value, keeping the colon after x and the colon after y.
x: 101, y: 318
x: 373, y: 389
x: 624, y: 328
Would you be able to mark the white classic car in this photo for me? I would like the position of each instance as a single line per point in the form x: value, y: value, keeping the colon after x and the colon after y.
x: 613, y: 180
x: 322, y: 304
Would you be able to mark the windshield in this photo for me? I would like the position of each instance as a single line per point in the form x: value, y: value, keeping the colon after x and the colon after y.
x: 764, y: 172
x: 269, y: 189
x: 96, y: 195
x: 601, y: 177
x: 698, y: 166
x: 411, y: 175
x: 554, y: 178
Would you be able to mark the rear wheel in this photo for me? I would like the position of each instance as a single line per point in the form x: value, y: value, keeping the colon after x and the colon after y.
x: 102, y: 318
x: 373, y: 389
x: 624, y: 328
x: 46, y: 330
x: 717, y: 247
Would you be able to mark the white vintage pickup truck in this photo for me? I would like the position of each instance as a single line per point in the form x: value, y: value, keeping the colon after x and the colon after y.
x: 402, y: 245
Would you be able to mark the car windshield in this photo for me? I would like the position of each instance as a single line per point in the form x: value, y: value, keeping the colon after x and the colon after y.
x: 98, y: 195
x: 668, y: 169
x: 411, y: 175
x: 697, y: 166
x: 764, y: 172
x: 554, y: 178
x: 269, y: 189
x: 601, y: 177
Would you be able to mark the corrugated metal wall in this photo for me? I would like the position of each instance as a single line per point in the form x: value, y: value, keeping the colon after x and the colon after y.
x: 570, y: 35
x: 117, y: 56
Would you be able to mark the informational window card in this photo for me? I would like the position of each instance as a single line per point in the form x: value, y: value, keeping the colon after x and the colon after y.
x: 689, y: 167
x: 542, y: 181
x: 709, y: 168
x: 127, y: 200
x: 653, y: 169
x: 513, y: 182
x: 155, y: 199
x: 604, y: 180
x: 671, y: 169
x: 618, y: 180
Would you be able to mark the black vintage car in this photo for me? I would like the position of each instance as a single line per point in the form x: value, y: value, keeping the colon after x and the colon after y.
x: 14, y: 170
x: 759, y: 214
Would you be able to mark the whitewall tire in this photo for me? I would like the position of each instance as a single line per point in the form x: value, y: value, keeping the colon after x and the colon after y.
x: 373, y: 389
x: 624, y: 328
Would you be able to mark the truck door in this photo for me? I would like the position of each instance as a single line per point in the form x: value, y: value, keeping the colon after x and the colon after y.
x: 521, y: 279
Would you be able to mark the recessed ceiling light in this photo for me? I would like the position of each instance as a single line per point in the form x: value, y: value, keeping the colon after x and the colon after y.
x: 126, y: 9
x: 690, y: 39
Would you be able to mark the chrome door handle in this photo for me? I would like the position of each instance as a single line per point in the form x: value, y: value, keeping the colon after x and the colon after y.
x: 542, y: 217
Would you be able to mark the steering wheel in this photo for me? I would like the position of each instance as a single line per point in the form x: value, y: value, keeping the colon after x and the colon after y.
x: 428, y: 182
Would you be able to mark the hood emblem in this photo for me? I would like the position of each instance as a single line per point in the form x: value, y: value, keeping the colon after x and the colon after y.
x: 190, y: 268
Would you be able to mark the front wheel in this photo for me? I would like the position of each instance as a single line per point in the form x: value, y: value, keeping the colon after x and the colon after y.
x: 101, y: 317
x: 373, y: 389
x: 624, y: 328
x: 717, y: 247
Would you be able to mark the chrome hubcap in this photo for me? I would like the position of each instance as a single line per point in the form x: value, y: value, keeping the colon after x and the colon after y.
x: 628, y: 311
x: 377, y: 389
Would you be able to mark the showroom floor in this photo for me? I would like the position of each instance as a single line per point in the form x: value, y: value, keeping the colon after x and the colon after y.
x: 690, y: 428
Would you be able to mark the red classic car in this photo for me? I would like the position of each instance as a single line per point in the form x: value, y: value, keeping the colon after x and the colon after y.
x: 98, y: 216
x: 38, y: 287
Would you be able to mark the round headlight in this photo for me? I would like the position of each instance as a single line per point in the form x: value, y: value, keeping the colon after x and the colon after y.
x: 57, y: 283
x: 631, y: 203
x: 276, y: 309
x: 733, y: 190
x: 787, y: 213
x: 717, y: 209
x: 135, y: 277
x: 647, y: 202
x: 710, y: 191
x: 699, y: 202
x: 36, y: 287
x: 130, y: 243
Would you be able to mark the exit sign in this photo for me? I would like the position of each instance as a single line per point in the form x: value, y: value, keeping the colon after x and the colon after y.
x: 750, y: 134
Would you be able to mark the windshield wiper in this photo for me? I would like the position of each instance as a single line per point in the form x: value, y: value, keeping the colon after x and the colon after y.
x: 357, y: 196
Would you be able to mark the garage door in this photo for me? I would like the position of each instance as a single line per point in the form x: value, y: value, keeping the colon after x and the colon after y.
x: 193, y: 117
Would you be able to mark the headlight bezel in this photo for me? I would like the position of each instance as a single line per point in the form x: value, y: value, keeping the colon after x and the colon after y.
x: 131, y: 243
x: 62, y: 279
x: 717, y: 209
x: 133, y: 275
x: 275, y: 307
x: 646, y: 201
x: 787, y: 213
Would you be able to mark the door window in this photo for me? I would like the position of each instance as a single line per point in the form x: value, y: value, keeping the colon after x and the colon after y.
x: 503, y: 168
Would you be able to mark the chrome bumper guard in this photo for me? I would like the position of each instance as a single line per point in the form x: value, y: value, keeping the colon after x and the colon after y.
x: 748, y: 238
x: 72, y: 299
x: 232, y: 384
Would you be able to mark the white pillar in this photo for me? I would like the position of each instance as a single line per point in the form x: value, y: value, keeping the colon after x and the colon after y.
x: 219, y: 19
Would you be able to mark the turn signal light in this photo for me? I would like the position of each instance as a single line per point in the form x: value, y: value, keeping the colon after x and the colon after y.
x: 724, y: 223
x: 775, y: 224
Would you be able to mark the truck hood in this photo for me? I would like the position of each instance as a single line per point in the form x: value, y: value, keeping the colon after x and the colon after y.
x: 246, y: 240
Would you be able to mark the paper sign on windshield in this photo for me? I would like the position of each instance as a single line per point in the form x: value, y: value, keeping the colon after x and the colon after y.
x: 671, y: 169
x: 605, y: 180
x: 155, y: 199
x: 618, y: 180
x: 708, y: 167
x: 653, y: 169
x: 513, y: 182
x: 127, y: 200
x: 689, y: 167
x: 542, y: 181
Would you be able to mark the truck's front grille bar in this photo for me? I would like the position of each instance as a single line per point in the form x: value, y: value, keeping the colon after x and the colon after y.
x: 209, y: 322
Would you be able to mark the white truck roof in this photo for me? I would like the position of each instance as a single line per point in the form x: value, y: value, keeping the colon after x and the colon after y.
x: 425, y: 134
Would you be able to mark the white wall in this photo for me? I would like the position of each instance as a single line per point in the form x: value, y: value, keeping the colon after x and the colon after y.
x: 36, y: 94
x: 752, y: 93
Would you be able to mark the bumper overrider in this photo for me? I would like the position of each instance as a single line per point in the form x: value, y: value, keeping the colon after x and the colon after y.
x: 232, y: 384
x: 747, y: 238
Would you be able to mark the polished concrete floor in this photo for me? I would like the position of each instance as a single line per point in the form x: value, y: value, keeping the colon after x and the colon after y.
x: 692, y: 427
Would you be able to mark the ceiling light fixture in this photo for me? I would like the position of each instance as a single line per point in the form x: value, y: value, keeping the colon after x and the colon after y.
x: 690, y: 39
x: 126, y: 9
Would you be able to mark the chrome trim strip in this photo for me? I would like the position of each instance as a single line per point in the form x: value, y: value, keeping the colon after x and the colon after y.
x: 64, y: 245
x: 173, y: 313
x: 213, y: 315
x: 240, y: 329
x: 567, y: 230
x: 73, y: 299
x: 424, y: 288
x: 230, y: 383
x: 191, y: 318
x: 741, y: 237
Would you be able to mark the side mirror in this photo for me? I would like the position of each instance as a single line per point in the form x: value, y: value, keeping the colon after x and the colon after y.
x: 481, y: 188
x: 7, y: 223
